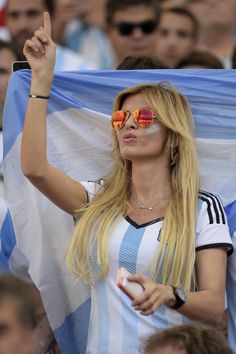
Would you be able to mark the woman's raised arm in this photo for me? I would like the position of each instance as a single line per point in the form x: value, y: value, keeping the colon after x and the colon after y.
x: 61, y: 189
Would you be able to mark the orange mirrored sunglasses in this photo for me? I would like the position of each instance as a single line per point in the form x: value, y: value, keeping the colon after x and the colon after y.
x: 143, y: 117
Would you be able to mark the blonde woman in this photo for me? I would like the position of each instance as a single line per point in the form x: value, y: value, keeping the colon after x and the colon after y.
x: 147, y: 216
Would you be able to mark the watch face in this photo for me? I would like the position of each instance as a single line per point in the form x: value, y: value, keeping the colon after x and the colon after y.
x: 181, y: 294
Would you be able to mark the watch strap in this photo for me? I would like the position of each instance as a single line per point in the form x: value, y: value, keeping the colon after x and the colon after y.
x: 180, y: 297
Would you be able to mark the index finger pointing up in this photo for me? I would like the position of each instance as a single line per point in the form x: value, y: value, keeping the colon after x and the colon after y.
x: 47, y: 24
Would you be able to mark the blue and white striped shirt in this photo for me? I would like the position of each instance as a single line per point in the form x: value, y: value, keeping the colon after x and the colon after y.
x: 115, y: 327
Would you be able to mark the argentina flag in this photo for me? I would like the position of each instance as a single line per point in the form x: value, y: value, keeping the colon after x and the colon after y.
x: 35, y: 232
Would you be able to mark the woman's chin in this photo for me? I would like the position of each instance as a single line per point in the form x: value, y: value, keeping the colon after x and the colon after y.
x: 132, y: 157
x: 129, y: 155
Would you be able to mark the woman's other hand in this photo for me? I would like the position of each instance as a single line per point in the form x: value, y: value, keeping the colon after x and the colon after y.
x: 153, y: 297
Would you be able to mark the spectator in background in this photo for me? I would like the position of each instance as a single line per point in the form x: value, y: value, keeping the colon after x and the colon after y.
x: 188, y: 339
x: 17, y: 321
x: 217, y: 27
x: 139, y: 62
x: 80, y: 25
x: 132, y: 26
x: 8, y: 54
x: 176, y: 36
x: 22, y: 316
x: 44, y: 341
x: 24, y: 17
x: 200, y: 59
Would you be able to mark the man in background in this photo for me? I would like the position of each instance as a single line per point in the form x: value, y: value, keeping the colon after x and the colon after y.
x: 187, y: 339
x: 177, y: 35
x: 217, y: 20
x: 24, y: 17
x: 132, y: 27
x: 16, y: 317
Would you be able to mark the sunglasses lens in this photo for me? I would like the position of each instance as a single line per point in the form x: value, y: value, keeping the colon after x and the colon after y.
x: 125, y: 29
x: 118, y: 119
x: 144, y: 117
x: 148, y: 27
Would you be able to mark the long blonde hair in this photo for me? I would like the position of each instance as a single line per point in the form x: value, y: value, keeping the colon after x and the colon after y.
x: 88, y: 255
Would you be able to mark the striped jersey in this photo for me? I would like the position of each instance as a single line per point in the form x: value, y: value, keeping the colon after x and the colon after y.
x: 115, y: 327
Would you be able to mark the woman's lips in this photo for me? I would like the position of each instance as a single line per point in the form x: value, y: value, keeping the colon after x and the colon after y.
x: 129, y: 137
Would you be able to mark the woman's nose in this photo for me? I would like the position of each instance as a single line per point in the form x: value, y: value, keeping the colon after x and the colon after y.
x: 130, y: 123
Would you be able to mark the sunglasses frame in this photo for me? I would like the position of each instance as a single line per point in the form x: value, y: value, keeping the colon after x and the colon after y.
x: 147, y: 27
x: 135, y: 117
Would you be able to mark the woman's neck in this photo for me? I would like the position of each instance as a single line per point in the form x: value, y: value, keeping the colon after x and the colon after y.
x: 150, y: 182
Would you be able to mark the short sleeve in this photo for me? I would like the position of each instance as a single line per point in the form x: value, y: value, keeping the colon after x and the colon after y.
x: 91, y: 188
x: 212, y: 228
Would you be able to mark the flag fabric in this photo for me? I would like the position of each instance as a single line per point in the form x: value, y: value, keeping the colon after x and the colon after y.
x: 35, y: 232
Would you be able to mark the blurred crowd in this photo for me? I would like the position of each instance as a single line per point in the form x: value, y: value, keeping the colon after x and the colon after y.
x: 105, y: 34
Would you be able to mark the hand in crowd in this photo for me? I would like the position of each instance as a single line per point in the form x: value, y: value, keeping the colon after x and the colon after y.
x: 40, y: 51
x: 153, y: 297
x: 67, y: 10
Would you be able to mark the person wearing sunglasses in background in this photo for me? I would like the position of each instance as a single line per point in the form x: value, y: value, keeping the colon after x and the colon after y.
x: 142, y: 216
x: 132, y: 27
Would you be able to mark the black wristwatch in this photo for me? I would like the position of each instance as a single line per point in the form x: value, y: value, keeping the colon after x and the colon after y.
x: 180, y: 297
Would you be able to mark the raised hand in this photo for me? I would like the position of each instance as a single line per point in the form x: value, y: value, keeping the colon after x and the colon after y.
x: 40, y: 51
